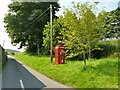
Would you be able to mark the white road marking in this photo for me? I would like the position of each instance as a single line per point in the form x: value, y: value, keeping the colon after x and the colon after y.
x: 22, y: 85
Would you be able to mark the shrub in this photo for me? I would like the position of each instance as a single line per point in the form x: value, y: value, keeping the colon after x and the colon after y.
x: 107, y: 49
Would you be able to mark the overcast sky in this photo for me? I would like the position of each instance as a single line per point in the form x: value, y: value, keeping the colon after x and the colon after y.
x: 108, y: 5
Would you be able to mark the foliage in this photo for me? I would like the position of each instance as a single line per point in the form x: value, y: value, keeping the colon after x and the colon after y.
x: 113, y: 23
x: 56, y: 34
x: 83, y: 29
x: 102, y: 73
x: 3, y: 58
x: 22, y: 28
x: 108, y: 48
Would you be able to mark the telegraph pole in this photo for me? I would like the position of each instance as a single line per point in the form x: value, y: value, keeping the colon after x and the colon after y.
x: 51, y: 50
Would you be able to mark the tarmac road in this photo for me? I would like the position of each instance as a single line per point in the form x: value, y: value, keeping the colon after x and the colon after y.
x: 16, y: 76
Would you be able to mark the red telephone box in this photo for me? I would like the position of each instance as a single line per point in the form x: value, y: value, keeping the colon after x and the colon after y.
x: 59, y: 54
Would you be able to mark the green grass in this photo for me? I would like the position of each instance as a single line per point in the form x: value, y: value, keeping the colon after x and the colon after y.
x: 102, y: 73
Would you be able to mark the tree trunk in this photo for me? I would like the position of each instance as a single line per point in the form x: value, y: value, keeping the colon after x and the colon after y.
x: 84, y: 59
x: 89, y: 56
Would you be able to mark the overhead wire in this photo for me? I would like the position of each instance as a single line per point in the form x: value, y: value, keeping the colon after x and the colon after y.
x: 40, y: 16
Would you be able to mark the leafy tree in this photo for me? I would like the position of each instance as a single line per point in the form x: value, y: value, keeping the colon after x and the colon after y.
x: 83, y: 30
x: 56, y: 34
x: 113, y: 22
x: 21, y: 25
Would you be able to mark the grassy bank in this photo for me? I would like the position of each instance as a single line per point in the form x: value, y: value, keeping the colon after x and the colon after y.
x: 102, y: 73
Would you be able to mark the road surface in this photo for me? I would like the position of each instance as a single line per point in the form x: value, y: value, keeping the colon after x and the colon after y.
x: 18, y: 76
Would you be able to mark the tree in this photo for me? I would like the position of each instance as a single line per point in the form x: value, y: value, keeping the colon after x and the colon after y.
x: 56, y: 34
x: 83, y: 30
x: 113, y: 22
x: 20, y: 26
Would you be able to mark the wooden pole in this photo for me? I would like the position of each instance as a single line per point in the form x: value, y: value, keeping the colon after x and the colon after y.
x: 51, y: 51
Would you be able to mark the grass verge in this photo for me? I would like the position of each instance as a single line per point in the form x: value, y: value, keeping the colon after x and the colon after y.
x: 102, y: 73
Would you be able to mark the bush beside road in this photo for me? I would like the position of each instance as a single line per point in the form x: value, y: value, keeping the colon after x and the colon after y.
x: 3, y: 57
